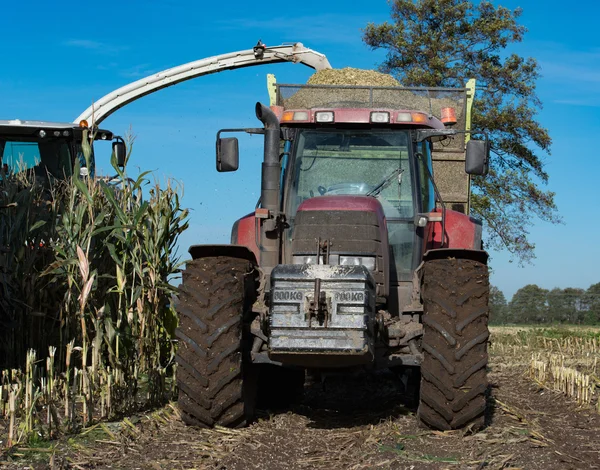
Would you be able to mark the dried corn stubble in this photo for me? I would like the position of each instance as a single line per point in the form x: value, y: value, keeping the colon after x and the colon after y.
x: 551, y: 372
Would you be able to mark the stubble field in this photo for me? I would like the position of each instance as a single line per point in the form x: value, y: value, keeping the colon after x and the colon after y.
x: 365, y: 422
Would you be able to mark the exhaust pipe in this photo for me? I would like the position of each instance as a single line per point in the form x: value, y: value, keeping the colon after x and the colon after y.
x: 269, y: 192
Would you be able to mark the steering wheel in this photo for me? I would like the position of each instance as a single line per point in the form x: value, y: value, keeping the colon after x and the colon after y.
x: 345, y: 188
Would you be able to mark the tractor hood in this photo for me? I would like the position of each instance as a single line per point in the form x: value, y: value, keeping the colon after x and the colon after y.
x: 348, y: 229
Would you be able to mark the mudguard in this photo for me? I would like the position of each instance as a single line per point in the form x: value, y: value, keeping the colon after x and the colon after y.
x: 234, y: 251
x: 244, y: 232
x: 458, y: 253
x: 461, y: 231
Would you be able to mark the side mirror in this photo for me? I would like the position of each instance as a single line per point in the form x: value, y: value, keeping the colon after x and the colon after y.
x: 228, y: 154
x: 120, y: 151
x: 477, y: 158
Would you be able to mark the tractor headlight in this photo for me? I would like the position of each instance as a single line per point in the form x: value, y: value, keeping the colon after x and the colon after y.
x: 366, y: 261
x: 310, y: 259
x: 342, y: 260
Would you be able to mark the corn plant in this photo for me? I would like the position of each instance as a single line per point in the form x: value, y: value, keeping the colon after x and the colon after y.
x: 103, y: 270
x: 28, y: 310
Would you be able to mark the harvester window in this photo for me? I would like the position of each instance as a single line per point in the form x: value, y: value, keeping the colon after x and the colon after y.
x: 53, y: 156
x: 19, y: 156
x: 56, y: 157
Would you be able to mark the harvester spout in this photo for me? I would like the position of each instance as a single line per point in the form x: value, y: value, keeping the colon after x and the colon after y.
x: 269, y: 193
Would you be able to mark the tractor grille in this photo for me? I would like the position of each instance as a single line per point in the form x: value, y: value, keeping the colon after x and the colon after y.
x: 351, y: 233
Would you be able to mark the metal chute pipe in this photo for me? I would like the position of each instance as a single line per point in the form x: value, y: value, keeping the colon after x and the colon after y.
x: 269, y: 193
x: 108, y: 104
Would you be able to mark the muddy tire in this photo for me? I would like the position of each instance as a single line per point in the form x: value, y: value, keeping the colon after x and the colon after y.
x: 453, y: 373
x: 215, y: 387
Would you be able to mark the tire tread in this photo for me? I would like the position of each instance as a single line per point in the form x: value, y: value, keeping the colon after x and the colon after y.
x: 210, y: 374
x: 453, y: 373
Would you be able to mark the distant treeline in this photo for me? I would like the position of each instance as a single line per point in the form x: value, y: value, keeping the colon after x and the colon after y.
x: 532, y: 304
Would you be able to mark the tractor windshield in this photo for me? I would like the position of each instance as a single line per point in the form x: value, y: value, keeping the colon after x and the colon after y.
x: 360, y: 162
x: 51, y: 156
x: 355, y: 162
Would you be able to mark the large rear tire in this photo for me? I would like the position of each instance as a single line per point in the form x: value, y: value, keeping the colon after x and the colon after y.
x: 213, y: 374
x: 453, y: 373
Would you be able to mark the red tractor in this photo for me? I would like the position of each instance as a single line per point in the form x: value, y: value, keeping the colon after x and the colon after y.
x: 352, y: 258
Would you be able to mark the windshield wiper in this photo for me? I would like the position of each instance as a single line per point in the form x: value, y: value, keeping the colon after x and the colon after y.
x: 376, y: 191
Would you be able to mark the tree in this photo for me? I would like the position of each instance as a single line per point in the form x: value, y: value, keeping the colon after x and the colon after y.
x: 591, y: 302
x: 498, y: 306
x: 566, y: 305
x: 445, y: 43
x: 528, y: 305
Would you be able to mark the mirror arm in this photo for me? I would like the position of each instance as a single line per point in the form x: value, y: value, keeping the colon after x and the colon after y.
x: 251, y: 130
x: 232, y: 163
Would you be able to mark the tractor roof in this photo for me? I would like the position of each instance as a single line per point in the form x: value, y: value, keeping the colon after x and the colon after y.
x: 399, y: 102
x: 18, y: 127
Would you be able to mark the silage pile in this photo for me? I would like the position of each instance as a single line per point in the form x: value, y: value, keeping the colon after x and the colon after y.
x: 351, y: 76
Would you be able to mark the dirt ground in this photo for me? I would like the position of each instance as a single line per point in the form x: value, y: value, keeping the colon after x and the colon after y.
x: 351, y: 423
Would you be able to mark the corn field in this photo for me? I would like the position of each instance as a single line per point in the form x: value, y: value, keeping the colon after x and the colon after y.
x: 561, y: 360
x: 551, y: 371
x: 85, y: 308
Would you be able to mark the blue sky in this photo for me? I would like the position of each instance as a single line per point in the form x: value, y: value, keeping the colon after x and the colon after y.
x: 56, y: 60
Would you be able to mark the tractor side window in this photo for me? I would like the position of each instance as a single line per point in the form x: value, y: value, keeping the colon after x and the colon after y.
x: 425, y: 167
x: 284, y: 163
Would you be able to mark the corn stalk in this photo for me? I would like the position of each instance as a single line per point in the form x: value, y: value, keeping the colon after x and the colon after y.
x: 101, y: 280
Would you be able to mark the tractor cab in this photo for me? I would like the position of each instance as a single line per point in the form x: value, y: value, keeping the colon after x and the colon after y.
x: 367, y: 161
x: 49, y: 149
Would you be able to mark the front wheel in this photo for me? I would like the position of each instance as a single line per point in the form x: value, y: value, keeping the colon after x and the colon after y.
x: 216, y: 386
x: 453, y: 373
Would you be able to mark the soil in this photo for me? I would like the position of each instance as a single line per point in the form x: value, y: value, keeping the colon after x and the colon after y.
x: 350, y: 423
